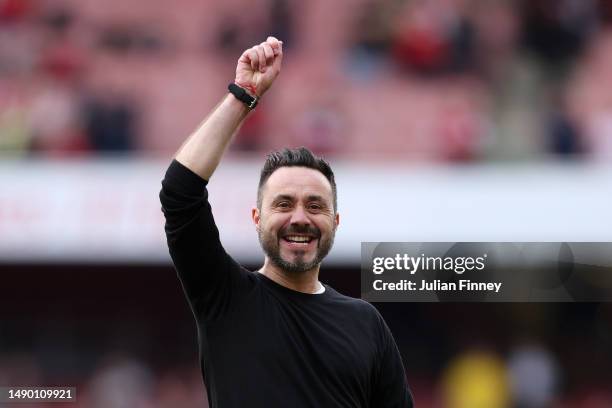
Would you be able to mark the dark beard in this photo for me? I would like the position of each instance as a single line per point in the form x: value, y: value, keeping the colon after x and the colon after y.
x: 271, y: 247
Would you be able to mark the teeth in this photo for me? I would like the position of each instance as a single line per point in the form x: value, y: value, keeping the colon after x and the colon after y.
x: 295, y: 238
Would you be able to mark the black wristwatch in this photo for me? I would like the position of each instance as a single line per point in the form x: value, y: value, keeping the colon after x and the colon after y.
x: 243, y: 96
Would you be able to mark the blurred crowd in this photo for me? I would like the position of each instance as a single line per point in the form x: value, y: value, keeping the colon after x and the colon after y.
x: 450, y: 80
x: 120, y: 381
x: 456, y: 356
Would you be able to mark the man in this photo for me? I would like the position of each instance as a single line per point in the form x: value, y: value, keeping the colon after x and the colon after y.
x: 276, y: 337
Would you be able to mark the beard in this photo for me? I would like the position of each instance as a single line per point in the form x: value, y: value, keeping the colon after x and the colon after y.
x: 270, y: 244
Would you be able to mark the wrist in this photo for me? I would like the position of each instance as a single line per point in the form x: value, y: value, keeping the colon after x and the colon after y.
x: 250, y: 89
x: 236, y: 105
x: 243, y: 95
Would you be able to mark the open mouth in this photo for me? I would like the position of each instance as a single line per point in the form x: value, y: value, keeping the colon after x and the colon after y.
x: 299, y: 239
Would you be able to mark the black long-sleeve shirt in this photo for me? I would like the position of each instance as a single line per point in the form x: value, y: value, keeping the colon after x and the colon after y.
x: 262, y: 344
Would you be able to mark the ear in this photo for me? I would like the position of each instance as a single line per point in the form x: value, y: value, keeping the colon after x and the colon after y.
x: 336, y: 220
x: 255, y: 215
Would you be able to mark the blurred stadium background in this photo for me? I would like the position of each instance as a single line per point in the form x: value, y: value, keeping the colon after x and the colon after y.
x: 446, y: 120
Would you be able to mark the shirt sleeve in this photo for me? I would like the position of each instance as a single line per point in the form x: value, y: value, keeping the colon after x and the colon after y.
x: 390, y: 384
x: 209, y: 276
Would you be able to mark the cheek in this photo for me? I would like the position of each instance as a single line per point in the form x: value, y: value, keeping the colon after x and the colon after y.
x: 326, y: 225
x: 271, y: 224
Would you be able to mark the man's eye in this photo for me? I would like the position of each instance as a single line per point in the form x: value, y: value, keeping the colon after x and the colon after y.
x: 283, y: 204
x: 315, y: 206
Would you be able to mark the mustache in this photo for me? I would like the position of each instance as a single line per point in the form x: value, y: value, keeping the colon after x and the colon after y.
x: 301, y: 229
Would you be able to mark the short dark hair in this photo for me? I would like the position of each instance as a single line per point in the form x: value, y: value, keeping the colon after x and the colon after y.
x: 300, y: 157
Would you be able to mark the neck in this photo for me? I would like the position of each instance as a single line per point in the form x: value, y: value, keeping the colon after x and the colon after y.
x: 305, y: 282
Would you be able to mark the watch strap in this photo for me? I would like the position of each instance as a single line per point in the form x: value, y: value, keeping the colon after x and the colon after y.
x: 242, y: 95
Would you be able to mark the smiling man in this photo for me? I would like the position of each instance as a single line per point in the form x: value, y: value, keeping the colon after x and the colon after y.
x: 276, y: 337
x: 296, y: 217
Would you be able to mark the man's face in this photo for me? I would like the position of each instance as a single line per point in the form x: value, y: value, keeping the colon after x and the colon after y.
x: 296, y: 223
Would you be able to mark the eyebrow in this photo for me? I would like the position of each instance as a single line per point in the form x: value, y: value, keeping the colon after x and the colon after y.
x: 283, y: 197
x: 315, y: 198
x: 312, y: 197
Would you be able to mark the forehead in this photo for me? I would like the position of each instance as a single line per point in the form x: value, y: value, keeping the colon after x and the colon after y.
x: 297, y: 181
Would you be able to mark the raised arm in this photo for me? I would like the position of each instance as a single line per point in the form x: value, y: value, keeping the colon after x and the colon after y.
x: 257, y: 68
x: 208, y: 274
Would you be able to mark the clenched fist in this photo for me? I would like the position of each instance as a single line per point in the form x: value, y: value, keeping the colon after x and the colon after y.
x: 259, y: 66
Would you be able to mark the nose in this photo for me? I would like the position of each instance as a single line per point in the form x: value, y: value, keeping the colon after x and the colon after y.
x: 299, y: 216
